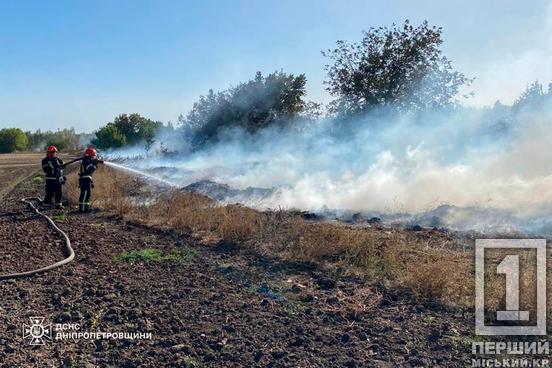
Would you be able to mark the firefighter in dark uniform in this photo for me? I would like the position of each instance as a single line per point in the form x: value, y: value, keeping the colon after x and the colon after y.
x: 89, y: 164
x: 53, y: 168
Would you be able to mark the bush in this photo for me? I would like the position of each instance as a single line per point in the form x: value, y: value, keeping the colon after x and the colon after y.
x: 12, y: 139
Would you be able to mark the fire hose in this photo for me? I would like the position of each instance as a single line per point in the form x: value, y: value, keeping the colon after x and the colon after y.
x: 68, y: 248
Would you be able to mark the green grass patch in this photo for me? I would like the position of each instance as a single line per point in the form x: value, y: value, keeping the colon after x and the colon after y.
x: 143, y: 255
x: 182, y: 255
x: 156, y: 255
x: 429, y: 319
x: 293, y: 309
x: 38, y: 179
x: 192, y: 362
x: 61, y: 217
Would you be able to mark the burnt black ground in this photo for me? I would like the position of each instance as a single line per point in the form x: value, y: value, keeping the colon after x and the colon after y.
x: 219, y: 306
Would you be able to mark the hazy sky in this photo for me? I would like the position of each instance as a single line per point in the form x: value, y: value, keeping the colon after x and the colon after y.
x: 79, y: 63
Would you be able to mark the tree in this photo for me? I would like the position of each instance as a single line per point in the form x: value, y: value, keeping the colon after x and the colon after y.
x: 62, y: 139
x: 532, y: 96
x: 312, y: 111
x: 109, y: 136
x: 401, y: 67
x: 12, y: 139
x: 148, y: 130
x: 274, y: 100
x: 127, y: 130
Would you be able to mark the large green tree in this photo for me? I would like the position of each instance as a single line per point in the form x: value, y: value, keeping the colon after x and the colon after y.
x: 398, y: 67
x: 12, y: 139
x: 274, y: 100
x: 109, y: 136
x: 127, y: 130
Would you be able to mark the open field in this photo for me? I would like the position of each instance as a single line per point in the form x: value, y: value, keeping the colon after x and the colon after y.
x: 213, y: 291
x: 15, y: 168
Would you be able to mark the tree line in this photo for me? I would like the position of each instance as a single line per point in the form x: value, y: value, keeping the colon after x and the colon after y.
x: 15, y: 139
x: 398, y: 69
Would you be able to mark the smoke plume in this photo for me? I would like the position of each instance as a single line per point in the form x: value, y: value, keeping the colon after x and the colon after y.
x: 492, y: 161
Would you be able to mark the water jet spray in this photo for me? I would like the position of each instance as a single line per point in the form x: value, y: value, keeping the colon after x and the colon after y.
x: 140, y: 173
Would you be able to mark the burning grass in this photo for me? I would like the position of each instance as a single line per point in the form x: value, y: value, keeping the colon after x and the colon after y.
x: 394, y: 258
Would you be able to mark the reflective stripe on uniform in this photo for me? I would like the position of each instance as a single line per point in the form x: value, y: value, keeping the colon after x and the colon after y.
x: 49, y: 178
x: 87, y: 177
x: 84, y: 204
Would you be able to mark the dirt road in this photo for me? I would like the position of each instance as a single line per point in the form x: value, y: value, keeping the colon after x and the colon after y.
x: 212, y: 306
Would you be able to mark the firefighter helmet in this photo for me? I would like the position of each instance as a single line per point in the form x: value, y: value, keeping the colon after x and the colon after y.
x: 51, y: 151
x: 90, y: 152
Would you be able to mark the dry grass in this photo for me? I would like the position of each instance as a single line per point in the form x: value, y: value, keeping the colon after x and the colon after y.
x: 393, y: 257
x: 111, y: 190
x: 441, y: 275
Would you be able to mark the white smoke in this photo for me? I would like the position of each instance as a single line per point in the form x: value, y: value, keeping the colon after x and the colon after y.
x: 384, y: 164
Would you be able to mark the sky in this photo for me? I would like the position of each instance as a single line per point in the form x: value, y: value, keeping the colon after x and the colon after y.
x: 80, y: 63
